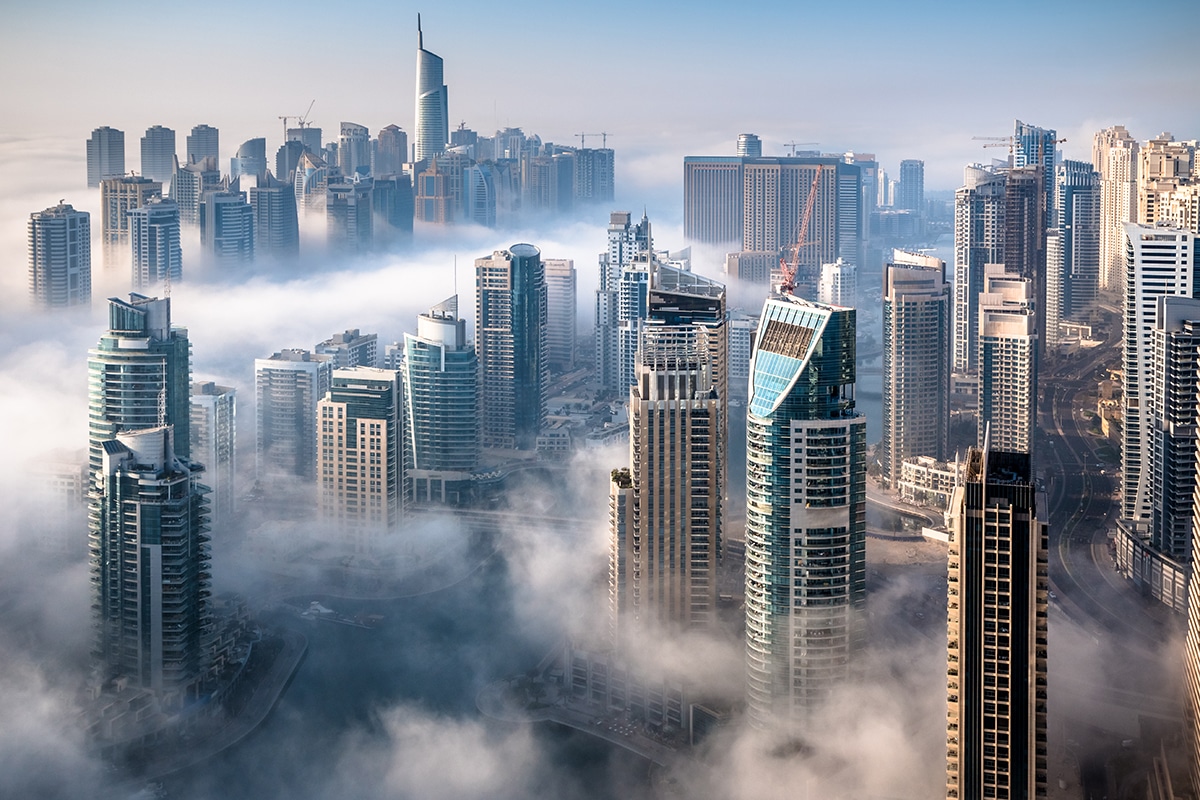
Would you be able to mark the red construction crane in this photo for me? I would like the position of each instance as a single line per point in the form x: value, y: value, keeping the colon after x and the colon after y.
x: 788, y: 271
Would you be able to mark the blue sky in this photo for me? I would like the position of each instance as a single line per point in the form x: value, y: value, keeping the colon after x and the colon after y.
x: 665, y: 79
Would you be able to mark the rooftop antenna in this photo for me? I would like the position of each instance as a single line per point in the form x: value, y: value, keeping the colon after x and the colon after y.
x: 420, y: 36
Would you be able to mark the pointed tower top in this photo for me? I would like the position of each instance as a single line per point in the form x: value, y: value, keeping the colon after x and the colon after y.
x: 420, y: 37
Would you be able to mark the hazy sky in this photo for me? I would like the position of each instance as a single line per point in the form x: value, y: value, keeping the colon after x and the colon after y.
x: 903, y: 80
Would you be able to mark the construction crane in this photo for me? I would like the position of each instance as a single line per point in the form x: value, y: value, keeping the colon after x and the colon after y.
x: 787, y: 284
x: 794, y: 144
x: 300, y: 120
x: 1010, y: 142
x: 583, y: 139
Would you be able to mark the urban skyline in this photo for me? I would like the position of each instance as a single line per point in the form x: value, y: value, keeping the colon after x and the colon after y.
x: 816, y: 624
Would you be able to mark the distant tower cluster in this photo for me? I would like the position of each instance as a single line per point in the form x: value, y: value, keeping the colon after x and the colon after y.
x: 60, y: 257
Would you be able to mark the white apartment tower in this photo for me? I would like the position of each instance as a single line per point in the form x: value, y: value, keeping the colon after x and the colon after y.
x: 1007, y: 361
x: 1115, y: 158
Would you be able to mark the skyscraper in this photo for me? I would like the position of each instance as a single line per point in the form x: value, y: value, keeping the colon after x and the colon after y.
x: 350, y: 349
x: 1037, y: 147
x: 713, y: 196
x: 203, y: 142
x: 60, y: 257
x: 214, y: 439
x: 308, y: 136
x: 1115, y: 158
x: 441, y: 396
x: 978, y: 241
x: 1163, y: 166
x: 1025, y: 225
x: 911, y: 194
x: 838, y: 284
x: 479, y: 195
x: 191, y: 182
x: 626, y: 243
x: 286, y: 159
x: 348, y: 214
x: 360, y: 471
x: 996, y: 631
x: 916, y: 363
x: 227, y: 227
x: 432, y: 117
x: 1160, y: 261
x: 1073, y: 247
x: 434, y: 202
x: 354, y: 149
x: 392, y: 202
x: 391, y: 151
x: 157, y: 255
x: 158, y: 154
x: 250, y: 159
x: 594, y: 180
x: 510, y: 331
x: 105, y: 155
x: 677, y: 463
x: 749, y: 145
x: 311, y: 177
x: 1008, y: 361
x: 117, y: 197
x: 276, y: 223
x: 147, y: 515
x: 806, y: 506
x: 1173, y: 410
x: 560, y: 313
x: 287, y: 387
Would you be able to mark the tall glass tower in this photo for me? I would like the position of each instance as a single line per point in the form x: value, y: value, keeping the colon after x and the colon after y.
x: 805, y: 510
x: 60, y: 257
x: 432, y: 116
x: 147, y: 513
x: 441, y: 397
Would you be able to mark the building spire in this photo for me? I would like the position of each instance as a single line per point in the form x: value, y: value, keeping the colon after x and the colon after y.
x: 420, y: 37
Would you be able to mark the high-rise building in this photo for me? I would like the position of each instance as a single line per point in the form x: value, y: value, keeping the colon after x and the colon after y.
x: 838, y: 284
x: 251, y: 159
x: 117, y: 197
x: 392, y: 202
x: 60, y: 257
x: 441, y: 397
x: 349, y: 218
x: 434, y: 201
x: 627, y: 242
x: 286, y: 159
x: 510, y: 331
x: 391, y: 151
x: 354, y: 149
x: 672, y: 529
x: 158, y: 154
x: 997, y: 631
x: 560, y: 313
x: 1163, y: 166
x: 227, y: 227
x: 311, y: 177
x: 214, y: 440
x: 308, y: 136
x: 805, y: 558
x: 1173, y: 409
x: 749, y: 146
x: 911, y: 194
x: 1115, y: 158
x: 150, y: 565
x: 157, y: 255
x: 276, y: 223
x: 350, y: 349
x: 287, y: 387
x: 1025, y: 225
x: 916, y: 361
x: 432, y: 130
x: 479, y: 195
x: 978, y: 241
x: 713, y: 195
x: 1072, y: 247
x: 105, y: 155
x: 742, y: 327
x: 1037, y: 147
x: 1008, y: 361
x: 1161, y: 261
x: 191, y: 182
x: 147, y: 515
x: 203, y: 142
x: 360, y: 471
x: 594, y: 181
